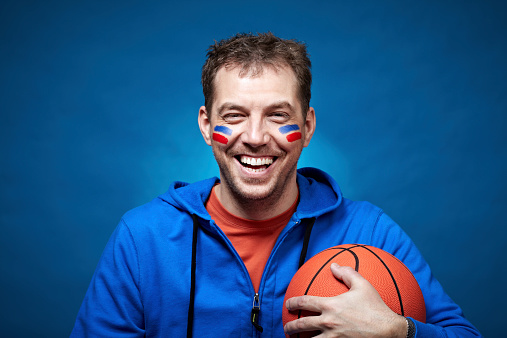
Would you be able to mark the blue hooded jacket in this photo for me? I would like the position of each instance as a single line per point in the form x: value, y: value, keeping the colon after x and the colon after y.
x: 142, y: 284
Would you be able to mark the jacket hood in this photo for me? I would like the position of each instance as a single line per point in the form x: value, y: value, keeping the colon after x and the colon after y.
x: 318, y: 194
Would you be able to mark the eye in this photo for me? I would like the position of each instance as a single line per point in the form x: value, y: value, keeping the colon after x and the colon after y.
x: 233, y: 117
x: 279, y: 116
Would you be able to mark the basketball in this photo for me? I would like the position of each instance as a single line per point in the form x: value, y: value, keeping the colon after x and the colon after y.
x: 388, y: 275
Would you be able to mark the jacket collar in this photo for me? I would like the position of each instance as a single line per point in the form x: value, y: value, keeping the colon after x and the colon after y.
x: 319, y: 194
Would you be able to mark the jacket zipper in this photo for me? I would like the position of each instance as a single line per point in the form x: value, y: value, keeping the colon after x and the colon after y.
x: 256, y: 308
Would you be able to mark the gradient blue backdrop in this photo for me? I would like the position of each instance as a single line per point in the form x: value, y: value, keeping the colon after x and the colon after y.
x: 99, y: 103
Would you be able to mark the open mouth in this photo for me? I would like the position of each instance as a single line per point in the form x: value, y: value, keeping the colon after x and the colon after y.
x: 255, y: 164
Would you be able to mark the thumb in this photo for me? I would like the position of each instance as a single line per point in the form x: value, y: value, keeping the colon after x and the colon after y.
x: 346, y: 274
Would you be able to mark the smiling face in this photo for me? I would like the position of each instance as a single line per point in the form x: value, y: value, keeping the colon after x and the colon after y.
x: 257, y: 131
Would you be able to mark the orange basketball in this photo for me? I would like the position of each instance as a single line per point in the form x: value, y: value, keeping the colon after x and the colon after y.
x: 390, y: 277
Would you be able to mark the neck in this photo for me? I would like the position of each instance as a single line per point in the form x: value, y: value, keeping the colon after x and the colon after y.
x: 258, y: 209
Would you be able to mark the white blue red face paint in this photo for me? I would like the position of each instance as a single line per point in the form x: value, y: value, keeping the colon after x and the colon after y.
x: 292, y: 132
x: 219, y: 132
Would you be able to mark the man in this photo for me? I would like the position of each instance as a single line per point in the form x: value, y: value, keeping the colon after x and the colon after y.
x: 214, y: 258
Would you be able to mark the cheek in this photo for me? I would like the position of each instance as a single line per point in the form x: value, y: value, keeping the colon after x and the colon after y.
x: 221, y: 134
x: 291, y: 132
x: 293, y: 137
x: 220, y: 138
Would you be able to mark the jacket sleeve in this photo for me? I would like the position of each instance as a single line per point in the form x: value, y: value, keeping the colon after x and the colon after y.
x: 444, y: 318
x: 112, y: 304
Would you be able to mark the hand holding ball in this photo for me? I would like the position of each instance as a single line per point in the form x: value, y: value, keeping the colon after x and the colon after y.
x: 390, y: 277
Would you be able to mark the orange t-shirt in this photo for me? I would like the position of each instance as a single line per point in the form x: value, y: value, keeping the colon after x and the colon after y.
x: 253, y: 240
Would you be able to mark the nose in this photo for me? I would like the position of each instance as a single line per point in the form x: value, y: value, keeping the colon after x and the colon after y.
x: 256, y: 133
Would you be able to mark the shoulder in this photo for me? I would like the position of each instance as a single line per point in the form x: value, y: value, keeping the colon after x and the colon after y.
x: 177, y: 204
x: 360, y: 214
x: 148, y: 212
x: 153, y: 220
x: 362, y: 209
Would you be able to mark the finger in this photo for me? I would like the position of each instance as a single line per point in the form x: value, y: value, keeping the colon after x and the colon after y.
x: 308, y: 303
x: 320, y: 335
x: 308, y: 323
x: 347, y: 275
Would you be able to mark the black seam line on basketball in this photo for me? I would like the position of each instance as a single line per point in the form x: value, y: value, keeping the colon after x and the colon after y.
x: 392, y: 277
x: 323, y: 265
x: 347, y: 249
x: 340, y: 247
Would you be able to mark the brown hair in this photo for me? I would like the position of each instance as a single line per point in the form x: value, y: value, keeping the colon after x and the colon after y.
x: 253, y: 52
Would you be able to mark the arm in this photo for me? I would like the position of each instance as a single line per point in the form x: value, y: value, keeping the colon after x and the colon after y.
x: 112, y: 304
x: 444, y: 317
x: 358, y: 312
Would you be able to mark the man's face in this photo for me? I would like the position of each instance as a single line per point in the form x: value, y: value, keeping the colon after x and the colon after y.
x: 257, y: 131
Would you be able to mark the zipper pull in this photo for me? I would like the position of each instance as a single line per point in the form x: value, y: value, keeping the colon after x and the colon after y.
x: 256, y: 308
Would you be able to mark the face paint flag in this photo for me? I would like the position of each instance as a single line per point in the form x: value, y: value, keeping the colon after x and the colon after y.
x: 292, y: 132
x: 219, y: 130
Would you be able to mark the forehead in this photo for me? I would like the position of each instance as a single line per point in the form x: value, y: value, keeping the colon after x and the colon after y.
x: 255, y: 89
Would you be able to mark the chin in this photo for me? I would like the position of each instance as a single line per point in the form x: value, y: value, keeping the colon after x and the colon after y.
x: 269, y: 188
x: 253, y: 191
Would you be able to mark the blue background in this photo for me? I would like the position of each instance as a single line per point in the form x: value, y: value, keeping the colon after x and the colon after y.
x: 99, y: 103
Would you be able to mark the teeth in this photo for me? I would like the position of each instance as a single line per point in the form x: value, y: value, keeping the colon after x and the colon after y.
x: 255, y: 170
x: 257, y: 161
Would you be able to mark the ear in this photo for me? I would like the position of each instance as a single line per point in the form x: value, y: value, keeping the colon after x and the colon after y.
x: 309, y: 126
x: 204, y: 125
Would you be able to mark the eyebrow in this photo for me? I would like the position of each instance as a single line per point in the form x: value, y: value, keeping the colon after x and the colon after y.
x: 280, y: 104
x: 229, y: 106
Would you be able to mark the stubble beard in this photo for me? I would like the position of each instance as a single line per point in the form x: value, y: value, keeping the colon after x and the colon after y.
x: 254, y: 192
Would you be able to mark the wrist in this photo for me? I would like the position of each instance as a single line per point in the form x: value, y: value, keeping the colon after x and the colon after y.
x: 410, y: 328
x: 398, y: 327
